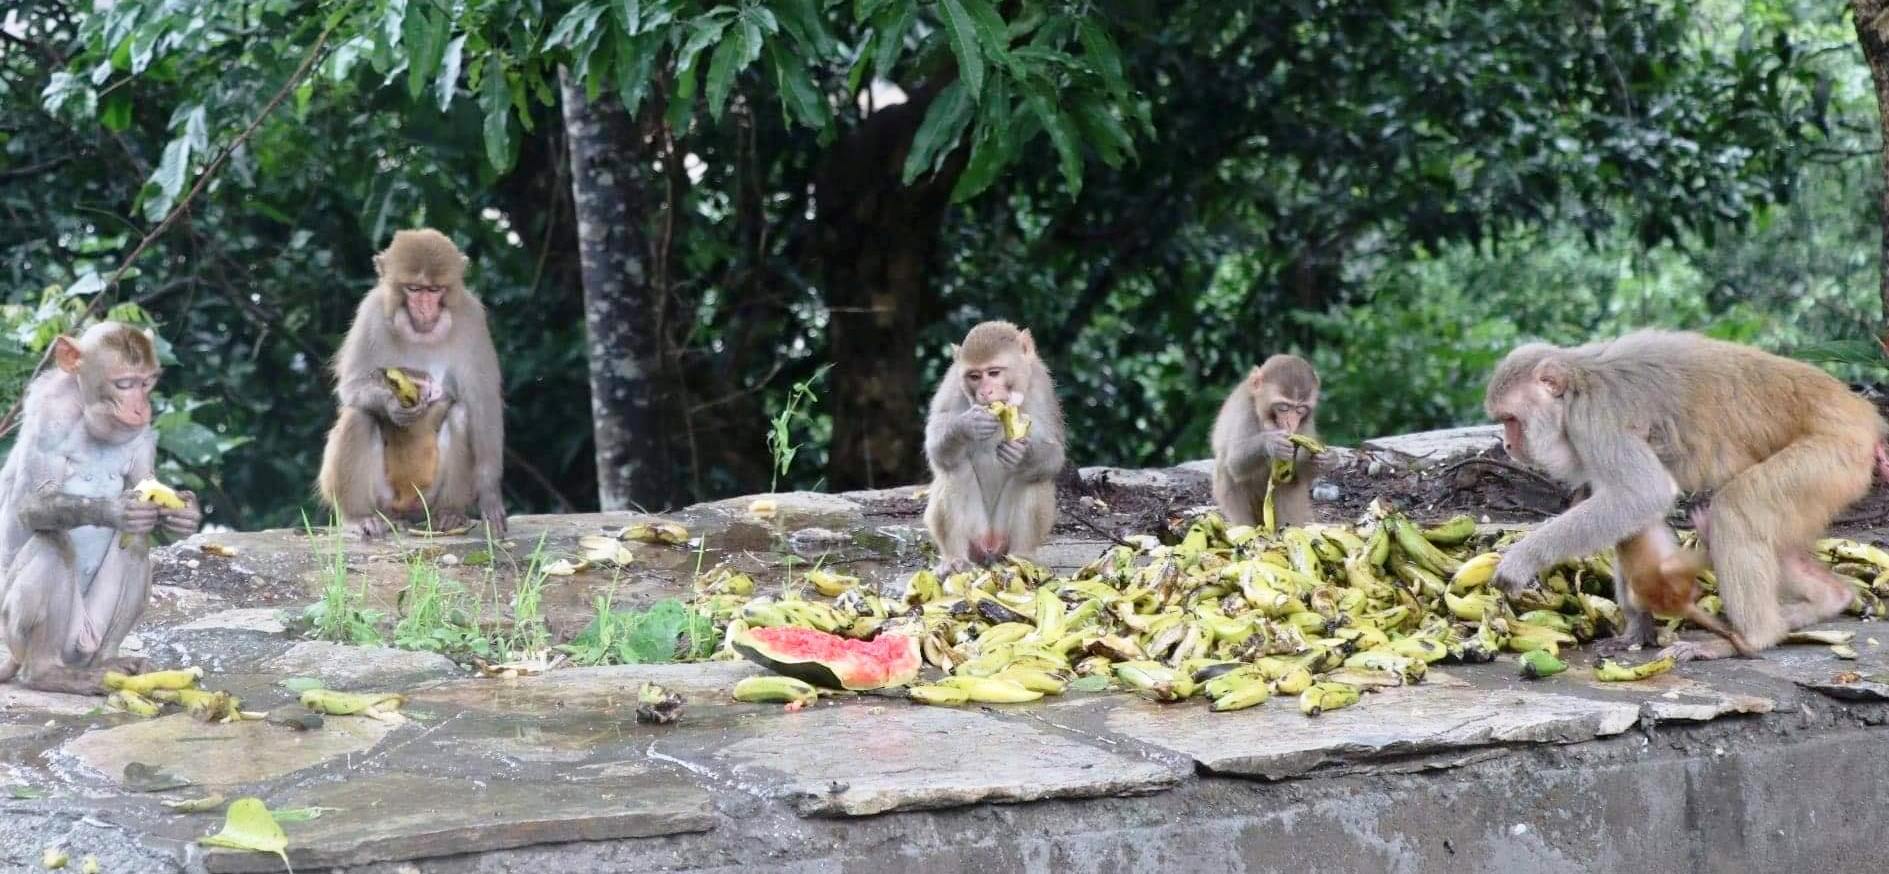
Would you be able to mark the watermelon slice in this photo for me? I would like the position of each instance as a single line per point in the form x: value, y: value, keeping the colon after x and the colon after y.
x: 830, y: 660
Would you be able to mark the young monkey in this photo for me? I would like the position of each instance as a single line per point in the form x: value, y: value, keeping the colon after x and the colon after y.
x: 1278, y: 399
x: 992, y: 497
x: 1663, y: 579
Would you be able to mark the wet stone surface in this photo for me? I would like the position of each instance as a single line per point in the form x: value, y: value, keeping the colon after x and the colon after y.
x: 500, y: 766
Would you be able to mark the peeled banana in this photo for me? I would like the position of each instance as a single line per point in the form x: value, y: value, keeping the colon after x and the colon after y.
x: 406, y: 391
x: 1015, y: 421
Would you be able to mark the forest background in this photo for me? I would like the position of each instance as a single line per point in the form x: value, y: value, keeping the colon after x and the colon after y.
x: 791, y: 207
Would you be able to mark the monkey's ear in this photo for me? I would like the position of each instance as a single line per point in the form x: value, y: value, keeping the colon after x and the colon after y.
x: 65, y: 352
x: 463, y: 261
x: 953, y: 349
x: 380, y: 265
x: 1026, y: 343
x: 1553, y: 376
x: 1253, y: 378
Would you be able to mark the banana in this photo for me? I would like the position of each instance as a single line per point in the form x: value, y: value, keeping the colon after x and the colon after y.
x: 1240, y: 696
x: 1233, y: 679
x: 991, y: 690
x: 1540, y: 663
x: 1826, y: 638
x: 133, y: 703
x: 1155, y: 680
x: 376, y: 705
x: 938, y: 696
x: 1430, y: 650
x: 145, y: 684
x: 1475, y: 573
x: 1454, y: 532
x: 775, y: 690
x: 406, y: 391
x: 667, y: 533
x: 1411, y: 670
x: 828, y: 583
x: 1323, y: 697
x: 1034, y: 679
x: 1610, y: 671
x: 1470, y: 608
x: 1854, y: 551
x: 1006, y: 633
x: 1294, y: 681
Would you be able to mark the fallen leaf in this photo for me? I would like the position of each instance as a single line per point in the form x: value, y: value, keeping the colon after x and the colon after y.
x: 248, y: 826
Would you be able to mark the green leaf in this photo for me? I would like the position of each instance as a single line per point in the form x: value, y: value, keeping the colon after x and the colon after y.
x: 722, y: 68
x: 1063, y: 135
x: 944, y: 122
x: 496, y: 99
x: 424, y: 34
x: 706, y: 32
x: 117, y: 113
x: 1103, y: 130
x: 576, y: 26
x: 796, y: 88
x: 187, y: 441
x: 990, y: 154
x: 168, y: 178
x: 991, y: 32
x: 804, y: 23
x: 629, y: 15
x: 961, y: 32
x: 682, y: 101
x: 1100, y: 50
x: 636, y: 56
x: 866, y: 9
x: 65, y: 89
x: 446, y: 85
x: 247, y: 825
x: 888, y: 37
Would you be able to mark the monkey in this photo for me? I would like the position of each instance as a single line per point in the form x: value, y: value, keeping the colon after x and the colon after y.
x: 992, y: 497
x: 385, y: 461
x: 1783, y: 445
x: 1277, y: 399
x: 71, y: 588
x: 1663, y: 579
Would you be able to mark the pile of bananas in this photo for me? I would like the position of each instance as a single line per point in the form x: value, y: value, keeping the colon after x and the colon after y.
x: 1323, y: 612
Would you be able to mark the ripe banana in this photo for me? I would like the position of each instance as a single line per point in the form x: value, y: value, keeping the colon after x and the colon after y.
x: 991, y: 690
x: 1246, y: 693
x: 145, y: 684
x: 1016, y: 423
x: 406, y: 391
x: 938, y: 696
x: 828, y: 583
x: 1322, y: 697
x: 775, y: 690
x: 1610, y: 671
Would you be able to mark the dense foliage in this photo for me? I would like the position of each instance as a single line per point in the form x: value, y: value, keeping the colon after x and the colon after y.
x: 1166, y: 192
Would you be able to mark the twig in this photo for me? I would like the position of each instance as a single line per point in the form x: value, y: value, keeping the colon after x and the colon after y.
x: 10, y: 421
x: 1503, y: 465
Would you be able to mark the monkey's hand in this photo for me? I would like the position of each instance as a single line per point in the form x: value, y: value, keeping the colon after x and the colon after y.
x: 1517, y: 571
x: 400, y: 416
x: 184, y: 522
x: 133, y: 515
x: 492, y: 509
x: 977, y: 425
x: 1011, y: 452
x: 1276, y: 443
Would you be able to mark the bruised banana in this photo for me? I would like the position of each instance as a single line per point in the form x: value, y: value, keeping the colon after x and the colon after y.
x: 406, y: 391
x: 775, y: 690
x: 1322, y: 697
x: 991, y: 690
x: 1247, y: 692
x: 133, y: 703
x: 1610, y: 671
x: 1016, y: 423
x: 145, y: 684
x: 828, y: 583
x: 938, y: 696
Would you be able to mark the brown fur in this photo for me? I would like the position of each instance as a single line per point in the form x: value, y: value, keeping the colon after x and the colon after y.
x: 454, y: 449
x: 1242, y: 462
x: 1663, y: 579
x: 1784, y: 445
x: 984, y: 507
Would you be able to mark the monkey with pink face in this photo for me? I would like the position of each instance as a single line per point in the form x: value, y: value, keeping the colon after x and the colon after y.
x: 1784, y: 446
x: 992, y: 497
x: 76, y: 566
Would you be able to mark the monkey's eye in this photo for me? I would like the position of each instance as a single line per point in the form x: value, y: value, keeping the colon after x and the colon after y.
x: 1281, y: 409
x: 425, y: 289
x: 127, y: 384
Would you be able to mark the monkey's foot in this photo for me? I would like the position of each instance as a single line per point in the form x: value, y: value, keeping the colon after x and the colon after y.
x: 126, y: 664
x: 371, y: 528
x: 448, y: 521
x: 951, y: 566
x: 1698, y: 651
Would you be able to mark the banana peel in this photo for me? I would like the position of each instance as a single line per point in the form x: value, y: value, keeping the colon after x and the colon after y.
x: 146, y: 683
x: 384, y: 706
x: 1015, y: 422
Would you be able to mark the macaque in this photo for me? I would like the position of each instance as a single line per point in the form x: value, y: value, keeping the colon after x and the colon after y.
x: 389, y: 458
x: 1278, y: 399
x: 73, y: 544
x: 992, y: 497
x: 1783, y: 445
x: 1662, y: 578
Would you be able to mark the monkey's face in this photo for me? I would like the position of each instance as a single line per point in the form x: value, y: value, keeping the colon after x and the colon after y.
x: 1534, y: 427
x: 118, y: 402
x: 1002, y: 378
x: 423, y: 305
x: 1284, y: 411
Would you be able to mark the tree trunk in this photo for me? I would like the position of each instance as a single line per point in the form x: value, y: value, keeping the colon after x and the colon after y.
x: 1872, y: 31
x: 875, y: 241
x: 634, y: 459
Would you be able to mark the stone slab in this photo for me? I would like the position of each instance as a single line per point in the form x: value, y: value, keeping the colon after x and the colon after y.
x: 588, y: 689
x: 1671, y: 697
x: 859, y: 759
x: 358, y: 668
x: 402, y: 817
x: 266, y: 620
x: 1274, y: 741
x: 1428, y: 448
x: 215, y: 755
x: 16, y: 700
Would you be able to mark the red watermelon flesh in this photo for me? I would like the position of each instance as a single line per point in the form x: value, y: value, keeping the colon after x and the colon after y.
x: 830, y: 660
